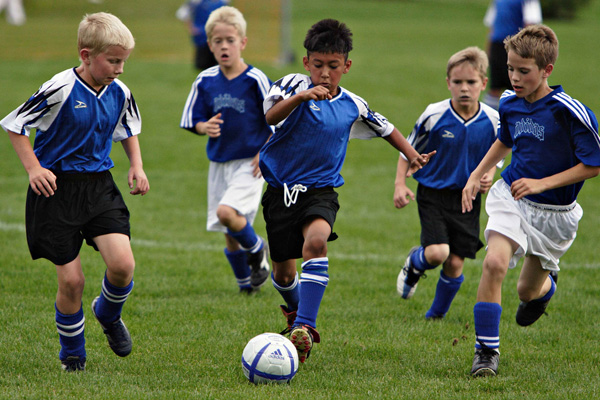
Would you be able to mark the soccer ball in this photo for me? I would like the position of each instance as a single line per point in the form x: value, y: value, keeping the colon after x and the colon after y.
x: 270, y: 357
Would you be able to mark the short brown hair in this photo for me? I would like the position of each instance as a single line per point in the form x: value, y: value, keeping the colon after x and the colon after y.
x: 534, y: 41
x: 472, y: 55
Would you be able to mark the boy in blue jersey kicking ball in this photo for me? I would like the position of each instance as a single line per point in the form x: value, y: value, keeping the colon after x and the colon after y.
x: 72, y: 195
x: 533, y: 210
x: 225, y: 103
x: 301, y: 163
x: 461, y: 129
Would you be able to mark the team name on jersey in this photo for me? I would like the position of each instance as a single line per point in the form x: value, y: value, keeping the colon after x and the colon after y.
x: 526, y: 125
x: 226, y: 101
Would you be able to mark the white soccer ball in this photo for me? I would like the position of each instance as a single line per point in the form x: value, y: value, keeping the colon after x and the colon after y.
x: 270, y: 357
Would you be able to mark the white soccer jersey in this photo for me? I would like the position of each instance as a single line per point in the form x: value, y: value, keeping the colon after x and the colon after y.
x: 309, y: 146
x: 75, y: 124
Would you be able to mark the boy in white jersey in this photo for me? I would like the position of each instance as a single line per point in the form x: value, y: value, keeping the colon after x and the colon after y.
x: 225, y: 103
x: 533, y: 210
x: 72, y: 195
x: 461, y: 129
x: 301, y: 163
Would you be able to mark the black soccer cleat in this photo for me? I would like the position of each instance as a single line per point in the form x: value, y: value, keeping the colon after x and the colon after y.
x: 529, y: 312
x: 73, y: 364
x: 408, y: 278
x: 117, y: 334
x: 259, y: 266
x: 485, y: 362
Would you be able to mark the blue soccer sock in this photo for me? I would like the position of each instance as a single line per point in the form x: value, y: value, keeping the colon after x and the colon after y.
x: 247, y: 238
x: 71, y: 334
x: 550, y: 293
x: 110, y: 303
x: 487, y: 325
x: 290, y: 293
x: 418, y: 260
x: 313, y: 282
x: 444, y: 294
x: 239, y: 265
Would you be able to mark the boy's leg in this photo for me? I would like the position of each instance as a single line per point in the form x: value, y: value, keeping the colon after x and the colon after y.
x: 69, y: 315
x: 116, y: 287
x: 241, y: 230
x: 238, y: 261
x: 487, y: 310
x: 419, y: 260
x: 451, y: 278
x: 535, y: 288
x: 285, y: 281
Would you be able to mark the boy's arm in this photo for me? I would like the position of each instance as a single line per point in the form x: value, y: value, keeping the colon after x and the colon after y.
x: 131, y: 145
x: 41, y: 180
x: 283, y: 108
x: 526, y: 186
x: 417, y: 161
x: 401, y: 192
x: 497, y: 152
x: 487, y: 180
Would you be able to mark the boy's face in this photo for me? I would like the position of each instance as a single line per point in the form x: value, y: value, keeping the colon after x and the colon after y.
x: 326, y: 69
x: 465, y: 85
x: 226, y: 45
x: 103, y: 68
x: 527, y: 79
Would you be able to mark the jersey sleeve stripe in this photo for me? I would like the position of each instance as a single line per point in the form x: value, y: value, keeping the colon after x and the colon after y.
x: 578, y: 110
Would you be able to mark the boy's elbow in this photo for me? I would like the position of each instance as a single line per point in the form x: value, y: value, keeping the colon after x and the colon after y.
x: 595, y: 171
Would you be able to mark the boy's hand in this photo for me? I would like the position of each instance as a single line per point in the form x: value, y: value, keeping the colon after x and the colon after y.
x: 526, y: 186
x: 419, y: 162
x: 42, y: 181
x: 139, y: 176
x: 485, y: 183
x: 256, y: 172
x: 316, y: 93
x: 212, y: 127
x: 469, y: 194
x: 402, y: 196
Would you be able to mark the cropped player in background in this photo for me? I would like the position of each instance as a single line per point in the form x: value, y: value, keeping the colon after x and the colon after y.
x: 461, y: 129
x: 314, y: 119
x: 533, y: 210
x: 72, y: 195
x: 225, y: 103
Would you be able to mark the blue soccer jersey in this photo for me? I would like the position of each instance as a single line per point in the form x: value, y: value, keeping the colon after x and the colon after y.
x: 507, y: 17
x: 309, y: 146
x: 244, y: 130
x: 460, y: 144
x: 75, y: 123
x: 548, y: 136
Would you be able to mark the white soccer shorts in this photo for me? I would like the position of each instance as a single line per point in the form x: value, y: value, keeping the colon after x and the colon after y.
x: 542, y: 230
x: 232, y: 184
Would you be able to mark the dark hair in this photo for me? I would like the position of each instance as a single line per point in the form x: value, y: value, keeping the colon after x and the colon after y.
x: 328, y: 36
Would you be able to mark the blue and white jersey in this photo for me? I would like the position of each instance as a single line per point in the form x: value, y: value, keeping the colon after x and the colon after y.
x: 548, y: 136
x: 244, y: 130
x: 309, y: 146
x: 75, y: 123
x: 460, y: 144
x: 507, y: 17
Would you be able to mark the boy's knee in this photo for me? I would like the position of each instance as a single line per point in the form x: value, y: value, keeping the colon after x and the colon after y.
x: 121, y: 273
x: 437, y: 254
x: 495, y: 265
x: 226, y: 215
x: 314, y: 247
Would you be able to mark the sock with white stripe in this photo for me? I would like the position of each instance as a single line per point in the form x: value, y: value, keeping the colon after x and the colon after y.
x: 313, y: 281
x: 247, y: 238
x: 71, y: 334
x: 240, y: 267
x: 111, y: 300
x: 290, y: 293
x: 418, y: 260
x: 487, y: 325
x: 444, y: 294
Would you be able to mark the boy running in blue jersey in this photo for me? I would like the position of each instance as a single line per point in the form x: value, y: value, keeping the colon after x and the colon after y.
x: 301, y: 163
x: 72, y: 195
x: 533, y: 210
x: 461, y: 129
x: 225, y: 103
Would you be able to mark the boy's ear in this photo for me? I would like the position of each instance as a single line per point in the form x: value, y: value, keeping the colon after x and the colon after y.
x: 347, y: 65
x: 548, y: 70
x: 84, y: 54
x: 305, y: 63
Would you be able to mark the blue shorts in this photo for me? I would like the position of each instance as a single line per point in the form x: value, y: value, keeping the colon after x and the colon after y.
x: 83, y: 206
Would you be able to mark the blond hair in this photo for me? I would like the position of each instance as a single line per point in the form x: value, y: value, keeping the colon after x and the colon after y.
x: 97, y: 32
x: 534, y: 41
x: 226, y: 15
x: 472, y: 55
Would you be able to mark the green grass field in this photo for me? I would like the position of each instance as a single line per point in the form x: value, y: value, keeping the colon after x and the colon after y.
x: 189, y: 324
